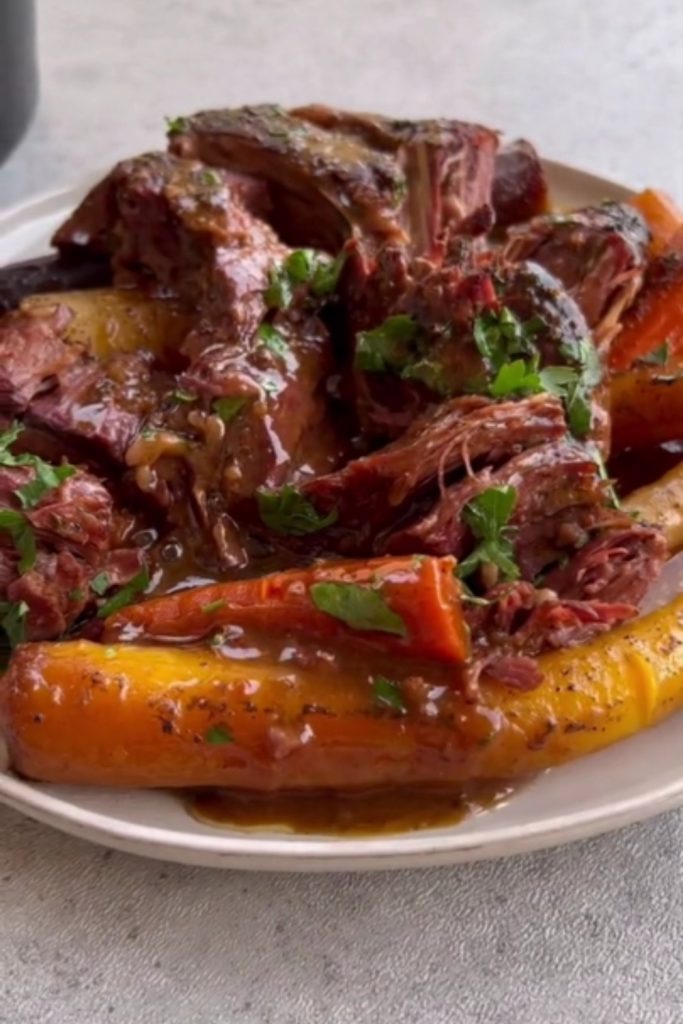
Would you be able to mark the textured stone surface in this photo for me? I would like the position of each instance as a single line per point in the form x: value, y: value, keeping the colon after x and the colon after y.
x: 591, y: 933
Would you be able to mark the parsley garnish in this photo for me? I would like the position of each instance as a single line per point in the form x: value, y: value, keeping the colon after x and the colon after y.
x: 13, y: 620
x: 179, y: 395
x: 126, y: 594
x: 499, y: 335
x: 303, y: 266
x: 359, y: 607
x: 388, y: 694
x: 287, y: 511
x: 23, y: 537
x: 211, y: 177
x: 218, y: 734
x: 176, y: 125
x: 213, y: 606
x: 273, y: 340
x: 386, y: 347
x: 658, y: 357
x: 228, y: 408
x: 428, y: 372
x: 487, y: 516
x: 100, y: 584
x: 46, y: 479
x: 76, y: 594
x: 604, y: 475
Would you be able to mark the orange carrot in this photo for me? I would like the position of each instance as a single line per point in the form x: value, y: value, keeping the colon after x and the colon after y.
x: 656, y: 318
x: 646, y: 408
x: 664, y: 217
x: 405, y: 605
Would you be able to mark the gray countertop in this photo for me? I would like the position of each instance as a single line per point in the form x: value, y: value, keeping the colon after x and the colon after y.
x: 590, y: 933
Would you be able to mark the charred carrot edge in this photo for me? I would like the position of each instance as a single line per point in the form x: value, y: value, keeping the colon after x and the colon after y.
x: 663, y: 215
x: 127, y: 715
x: 421, y: 595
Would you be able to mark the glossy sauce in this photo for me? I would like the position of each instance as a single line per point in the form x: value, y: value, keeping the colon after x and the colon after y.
x: 348, y: 814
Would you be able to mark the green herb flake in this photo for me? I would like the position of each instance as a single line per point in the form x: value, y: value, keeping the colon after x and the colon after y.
x: 516, y: 378
x: 386, y: 347
x: 488, y: 516
x: 361, y: 608
x: 228, y: 408
x: 604, y: 475
x: 217, y: 735
x: 430, y: 373
x: 388, y: 694
x: 47, y: 478
x: 273, y: 340
x: 287, y: 511
x: 126, y: 594
x: 658, y: 357
x: 77, y: 594
x: 303, y: 267
x: 186, y: 397
x: 213, y: 606
x: 13, y: 621
x: 100, y: 584
x: 176, y: 125
x: 500, y: 334
x: 211, y: 177
x: 326, y: 276
x: 23, y: 537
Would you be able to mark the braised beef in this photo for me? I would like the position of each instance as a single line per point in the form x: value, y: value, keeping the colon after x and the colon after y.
x: 334, y: 174
x: 520, y: 190
x: 371, y: 493
x: 598, y: 254
x: 33, y: 355
x: 184, y: 228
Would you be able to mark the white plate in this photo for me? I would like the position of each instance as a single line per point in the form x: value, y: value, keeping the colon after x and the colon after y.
x: 631, y: 781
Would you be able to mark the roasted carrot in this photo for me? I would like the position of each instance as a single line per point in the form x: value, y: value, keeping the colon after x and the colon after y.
x: 663, y: 215
x: 655, y: 322
x: 409, y: 605
x: 647, y: 408
x: 126, y: 715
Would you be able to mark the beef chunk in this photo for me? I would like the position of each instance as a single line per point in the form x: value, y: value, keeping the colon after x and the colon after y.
x: 333, y: 174
x: 618, y: 564
x: 32, y: 356
x: 185, y: 229
x: 100, y: 405
x: 549, y: 479
x: 520, y: 621
x: 78, y: 536
x: 373, y: 492
x: 520, y: 190
x: 598, y: 254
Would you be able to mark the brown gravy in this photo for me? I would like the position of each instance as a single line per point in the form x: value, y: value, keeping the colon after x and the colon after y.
x: 348, y: 814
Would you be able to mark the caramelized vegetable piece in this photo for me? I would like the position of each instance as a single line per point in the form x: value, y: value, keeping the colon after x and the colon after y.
x: 110, y: 320
x: 78, y: 712
x: 661, y: 503
x: 655, y: 322
x: 664, y: 217
x: 406, y: 605
x: 647, y: 408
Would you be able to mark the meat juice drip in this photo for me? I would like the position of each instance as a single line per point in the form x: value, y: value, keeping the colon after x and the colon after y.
x: 348, y: 814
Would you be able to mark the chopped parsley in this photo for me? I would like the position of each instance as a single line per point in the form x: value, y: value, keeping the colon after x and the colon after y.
x: 359, y: 607
x: 287, y: 511
x: 100, y: 584
x: 211, y: 177
x: 303, y: 267
x: 500, y: 335
x: 488, y: 516
x: 176, y: 125
x: 125, y: 594
x: 387, y: 693
x: 179, y: 395
x: 77, y: 594
x: 213, y: 606
x: 658, y: 357
x: 273, y: 340
x: 13, y: 621
x: 23, y: 537
x: 217, y: 735
x: 604, y: 475
x: 47, y: 477
x: 228, y: 408
x: 387, y: 347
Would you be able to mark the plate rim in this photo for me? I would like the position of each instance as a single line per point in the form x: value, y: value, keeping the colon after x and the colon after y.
x: 263, y: 850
